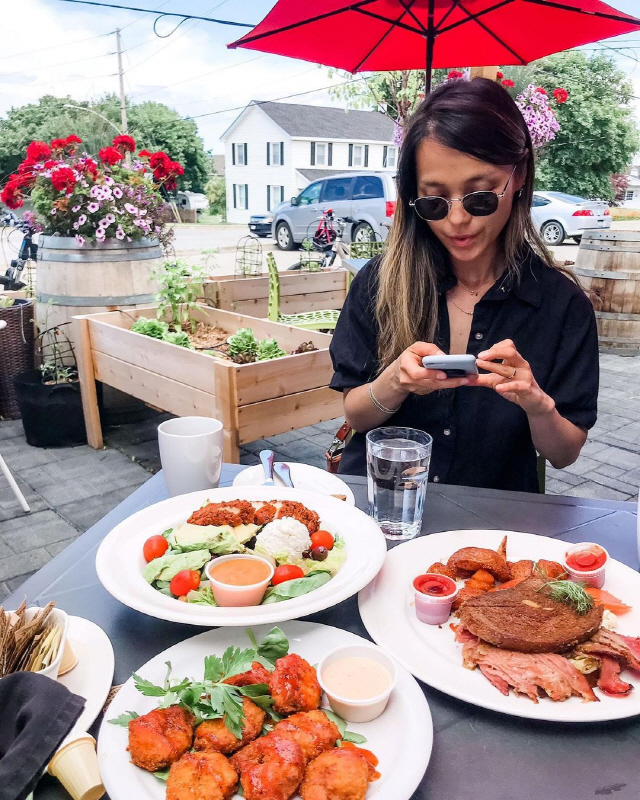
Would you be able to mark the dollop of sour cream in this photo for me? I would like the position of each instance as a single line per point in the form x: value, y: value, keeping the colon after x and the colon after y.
x: 356, y: 678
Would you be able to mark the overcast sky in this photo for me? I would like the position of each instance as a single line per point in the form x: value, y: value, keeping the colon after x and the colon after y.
x: 59, y: 48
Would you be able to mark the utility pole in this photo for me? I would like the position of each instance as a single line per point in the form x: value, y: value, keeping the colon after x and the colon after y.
x: 123, y: 101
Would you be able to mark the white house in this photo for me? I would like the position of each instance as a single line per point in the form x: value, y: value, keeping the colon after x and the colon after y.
x: 632, y: 192
x: 273, y: 150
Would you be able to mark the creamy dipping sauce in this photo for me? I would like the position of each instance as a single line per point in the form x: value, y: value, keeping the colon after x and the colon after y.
x: 240, y: 571
x: 355, y: 678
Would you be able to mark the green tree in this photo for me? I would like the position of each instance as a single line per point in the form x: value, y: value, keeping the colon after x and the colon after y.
x: 216, y: 191
x: 153, y: 125
x: 598, y: 135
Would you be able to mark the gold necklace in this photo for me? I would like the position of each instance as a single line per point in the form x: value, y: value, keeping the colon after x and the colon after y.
x: 468, y: 313
x: 475, y: 294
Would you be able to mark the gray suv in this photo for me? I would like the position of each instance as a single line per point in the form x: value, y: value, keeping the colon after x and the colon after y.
x: 368, y: 198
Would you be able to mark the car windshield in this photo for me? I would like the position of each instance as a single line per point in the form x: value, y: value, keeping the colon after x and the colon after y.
x: 567, y: 198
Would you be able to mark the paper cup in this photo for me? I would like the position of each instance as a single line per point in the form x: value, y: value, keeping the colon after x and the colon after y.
x: 69, y: 659
x: 191, y: 453
x: 75, y: 765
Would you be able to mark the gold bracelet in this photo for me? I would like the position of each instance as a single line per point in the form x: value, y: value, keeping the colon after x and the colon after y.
x: 379, y: 405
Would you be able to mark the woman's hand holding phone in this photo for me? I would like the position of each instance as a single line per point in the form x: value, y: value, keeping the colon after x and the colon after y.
x: 412, y: 377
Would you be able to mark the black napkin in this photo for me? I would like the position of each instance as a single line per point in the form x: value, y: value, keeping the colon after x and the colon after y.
x: 36, y: 713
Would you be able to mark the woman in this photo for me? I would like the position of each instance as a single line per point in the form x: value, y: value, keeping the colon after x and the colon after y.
x: 465, y: 272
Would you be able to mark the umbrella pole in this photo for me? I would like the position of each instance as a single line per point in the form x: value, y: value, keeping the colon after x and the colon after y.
x: 431, y: 40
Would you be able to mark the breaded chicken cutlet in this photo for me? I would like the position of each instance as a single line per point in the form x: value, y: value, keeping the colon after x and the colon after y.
x: 159, y: 738
x: 202, y: 776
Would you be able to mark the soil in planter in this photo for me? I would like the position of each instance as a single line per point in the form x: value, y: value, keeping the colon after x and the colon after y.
x: 210, y: 337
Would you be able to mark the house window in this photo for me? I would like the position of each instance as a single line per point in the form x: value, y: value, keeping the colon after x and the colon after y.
x: 321, y: 154
x: 390, y: 156
x: 275, y: 196
x: 239, y: 154
x: 628, y: 195
x: 275, y: 154
x: 358, y: 155
x: 240, y: 195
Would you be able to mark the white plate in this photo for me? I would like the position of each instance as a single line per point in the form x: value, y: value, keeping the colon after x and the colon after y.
x: 430, y: 652
x: 92, y: 676
x: 119, y: 561
x: 401, y: 738
x: 304, y: 477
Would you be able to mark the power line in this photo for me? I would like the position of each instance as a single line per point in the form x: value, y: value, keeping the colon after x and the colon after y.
x: 51, y: 66
x: 162, y: 13
x: 273, y: 100
x: 55, y: 46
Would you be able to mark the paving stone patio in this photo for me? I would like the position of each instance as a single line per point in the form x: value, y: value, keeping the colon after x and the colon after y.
x: 70, y: 489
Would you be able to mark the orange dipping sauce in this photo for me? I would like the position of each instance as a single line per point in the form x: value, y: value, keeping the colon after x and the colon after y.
x: 240, y: 571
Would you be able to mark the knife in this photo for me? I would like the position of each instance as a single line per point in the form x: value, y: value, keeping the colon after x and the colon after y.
x: 284, y: 473
x: 266, y: 459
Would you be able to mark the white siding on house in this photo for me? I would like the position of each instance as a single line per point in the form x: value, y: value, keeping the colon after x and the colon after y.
x: 340, y: 159
x: 256, y: 129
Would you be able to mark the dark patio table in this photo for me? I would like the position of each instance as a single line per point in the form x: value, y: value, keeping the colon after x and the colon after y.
x: 477, y: 754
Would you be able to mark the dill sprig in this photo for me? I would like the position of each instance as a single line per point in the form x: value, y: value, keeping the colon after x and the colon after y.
x: 573, y: 594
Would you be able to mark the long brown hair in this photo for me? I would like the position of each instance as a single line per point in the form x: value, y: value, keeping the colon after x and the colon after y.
x: 478, y: 118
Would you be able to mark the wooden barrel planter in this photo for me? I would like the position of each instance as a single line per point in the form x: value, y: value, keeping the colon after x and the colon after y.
x: 608, y: 266
x: 92, y: 278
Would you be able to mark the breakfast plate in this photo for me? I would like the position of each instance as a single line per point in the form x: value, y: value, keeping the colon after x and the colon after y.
x: 430, y: 652
x: 120, y: 561
x: 401, y: 737
x: 304, y: 477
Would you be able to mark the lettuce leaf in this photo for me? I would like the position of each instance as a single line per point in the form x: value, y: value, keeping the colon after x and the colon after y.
x: 296, y: 587
x: 202, y: 596
x: 219, y: 539
x: 170, y: 564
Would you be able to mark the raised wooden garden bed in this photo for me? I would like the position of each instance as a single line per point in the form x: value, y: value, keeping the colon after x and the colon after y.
x: 299, y: 291
x: 253, y: 401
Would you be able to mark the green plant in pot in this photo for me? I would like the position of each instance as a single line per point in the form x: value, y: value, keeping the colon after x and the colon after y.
x: 49, y: 397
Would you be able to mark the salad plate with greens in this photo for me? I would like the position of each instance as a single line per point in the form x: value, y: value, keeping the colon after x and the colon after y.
x: 199, y: 680
x: 320, y: 551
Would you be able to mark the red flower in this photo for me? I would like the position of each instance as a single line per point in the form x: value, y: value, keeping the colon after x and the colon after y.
x: 58, y: 144
x: 159, y: 159
x: 499, y: 75
x: 144, y: 154
x: 11, y: 195
x: 63, y: 179
x: 73, y: 139
x: 124, y: 143
x: 110, y: 155
x: 508, y: 83
x: 454, y: 74
x: 88, y: 166
x: 50, y: 164
x: 175, y: 168
x: 171, y: 184
x: 561, y: 95
x: 541, y: 90
x: 38, y: 151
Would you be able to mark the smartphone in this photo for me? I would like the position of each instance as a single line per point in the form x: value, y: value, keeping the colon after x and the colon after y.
x: 453, y: 366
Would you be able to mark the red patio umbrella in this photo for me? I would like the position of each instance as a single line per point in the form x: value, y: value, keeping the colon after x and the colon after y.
x: 372, y: 35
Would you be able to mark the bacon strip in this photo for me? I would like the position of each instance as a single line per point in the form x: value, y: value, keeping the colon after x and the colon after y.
x: 624, y: 649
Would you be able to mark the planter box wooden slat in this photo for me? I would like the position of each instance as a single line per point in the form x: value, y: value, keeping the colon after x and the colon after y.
x: 252, y: 400
x: 299, y: 291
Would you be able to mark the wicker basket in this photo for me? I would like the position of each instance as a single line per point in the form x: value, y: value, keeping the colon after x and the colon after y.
x: 16, y: 352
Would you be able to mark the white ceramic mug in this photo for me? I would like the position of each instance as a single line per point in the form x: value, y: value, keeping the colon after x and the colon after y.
x: 191, y: 453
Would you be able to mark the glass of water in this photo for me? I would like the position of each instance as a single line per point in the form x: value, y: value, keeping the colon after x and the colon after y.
x: 397, y: 473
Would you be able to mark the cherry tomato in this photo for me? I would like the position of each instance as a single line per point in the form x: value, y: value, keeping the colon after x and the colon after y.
x: 322, y: 539
x: 155, y: 547
x: 287, y: 572
x: 184, y: 582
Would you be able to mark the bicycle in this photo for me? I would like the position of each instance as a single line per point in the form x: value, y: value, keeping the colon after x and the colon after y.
x: 328, y: 240
x: 28, y: 252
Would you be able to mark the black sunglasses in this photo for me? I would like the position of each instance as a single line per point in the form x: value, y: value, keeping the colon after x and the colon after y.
x: 478, y: 204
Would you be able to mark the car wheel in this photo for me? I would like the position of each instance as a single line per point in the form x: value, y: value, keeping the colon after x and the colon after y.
x: 552, y: 233
x: 577, y: 239
x: 284, y: 239
x: 363, y: 232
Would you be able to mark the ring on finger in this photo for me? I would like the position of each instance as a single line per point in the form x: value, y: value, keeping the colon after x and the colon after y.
x: 512, y: 376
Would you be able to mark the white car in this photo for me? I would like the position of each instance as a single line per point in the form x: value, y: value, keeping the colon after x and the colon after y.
x: 558, y: 215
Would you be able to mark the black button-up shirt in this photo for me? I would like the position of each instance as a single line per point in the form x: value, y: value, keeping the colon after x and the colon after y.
x: 479, y: 438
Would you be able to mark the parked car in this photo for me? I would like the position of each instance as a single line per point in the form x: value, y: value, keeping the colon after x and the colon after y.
x: 369, y: 198
x: 260, y: 224
x: 558, y: 215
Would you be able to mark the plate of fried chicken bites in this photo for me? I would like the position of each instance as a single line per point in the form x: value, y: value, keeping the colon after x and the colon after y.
x: 192, y: 726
